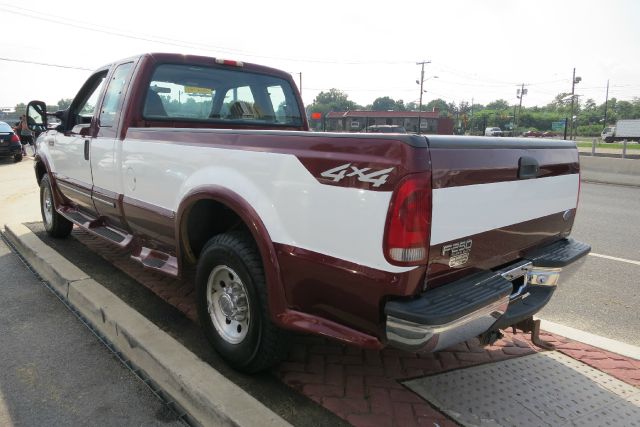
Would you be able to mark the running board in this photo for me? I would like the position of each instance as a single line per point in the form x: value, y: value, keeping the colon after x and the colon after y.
x: 158, y: 261
x: 97, y: 227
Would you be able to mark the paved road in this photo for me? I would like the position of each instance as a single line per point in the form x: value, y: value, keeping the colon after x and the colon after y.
x: 603, y: 295
x: 54, y: 371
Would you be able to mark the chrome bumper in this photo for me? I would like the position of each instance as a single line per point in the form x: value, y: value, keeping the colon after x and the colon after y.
x: 412, y: 336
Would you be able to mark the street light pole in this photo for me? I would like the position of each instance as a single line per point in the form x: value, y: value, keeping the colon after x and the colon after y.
x: 421, y: 86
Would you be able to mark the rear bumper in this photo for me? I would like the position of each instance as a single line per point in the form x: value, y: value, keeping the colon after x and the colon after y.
x: 480, y: 303
x: 10, y: 150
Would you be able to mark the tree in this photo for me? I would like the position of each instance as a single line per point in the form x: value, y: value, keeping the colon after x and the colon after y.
x: 439, y: 104
x: 64, y: 103
x: 383, y: 103
x: 500, y: 104
x: 333, y: 100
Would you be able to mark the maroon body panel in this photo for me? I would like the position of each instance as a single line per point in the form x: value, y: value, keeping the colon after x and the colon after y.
x: 342, y: 291
x: 469, y: 166
x: 498, y: 247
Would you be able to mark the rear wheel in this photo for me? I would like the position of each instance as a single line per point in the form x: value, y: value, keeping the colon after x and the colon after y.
x: 55, y: 224
x: 232, y: 303
x: 17, y: 158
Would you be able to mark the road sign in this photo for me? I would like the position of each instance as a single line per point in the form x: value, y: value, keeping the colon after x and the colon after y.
x: 559, y: 126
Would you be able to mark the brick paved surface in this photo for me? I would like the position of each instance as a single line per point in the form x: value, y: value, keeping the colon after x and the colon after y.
x: 361, y: 386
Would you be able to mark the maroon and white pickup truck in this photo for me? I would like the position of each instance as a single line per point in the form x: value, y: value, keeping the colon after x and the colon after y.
x: 205, y: 168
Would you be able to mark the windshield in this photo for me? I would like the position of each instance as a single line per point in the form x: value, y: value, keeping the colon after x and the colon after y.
x: 196, y: 93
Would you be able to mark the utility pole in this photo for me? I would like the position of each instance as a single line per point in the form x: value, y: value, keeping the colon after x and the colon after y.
x: 421, y: 86
x: 520, y: 94
x: 606, y: 103
x: 471, y: 121
x: 574, y: 80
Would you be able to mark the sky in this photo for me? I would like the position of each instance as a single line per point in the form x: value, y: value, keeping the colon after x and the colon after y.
x: 479, y: 50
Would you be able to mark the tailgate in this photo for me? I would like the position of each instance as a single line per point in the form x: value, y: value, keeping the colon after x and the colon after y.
x: 496, y: 198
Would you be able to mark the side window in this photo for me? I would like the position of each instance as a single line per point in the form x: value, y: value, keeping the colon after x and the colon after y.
x: 87, y: 109
x: 114, y: 94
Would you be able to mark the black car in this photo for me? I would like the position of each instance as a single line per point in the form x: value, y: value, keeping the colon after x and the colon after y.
x: 9, y: 143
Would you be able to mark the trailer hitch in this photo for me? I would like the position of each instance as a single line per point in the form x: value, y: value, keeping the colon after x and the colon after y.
x: 533, y: 326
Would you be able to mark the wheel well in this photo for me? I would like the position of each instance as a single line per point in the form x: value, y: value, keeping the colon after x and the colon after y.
x: 205, y: 219
x: 40, y: 171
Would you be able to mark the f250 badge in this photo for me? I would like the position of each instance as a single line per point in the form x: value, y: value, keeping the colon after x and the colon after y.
x: 376, y: 178
x: 458, y: 252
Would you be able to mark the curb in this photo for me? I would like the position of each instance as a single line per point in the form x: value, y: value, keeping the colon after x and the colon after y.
x: 207, y: 396
x: 594, y: 340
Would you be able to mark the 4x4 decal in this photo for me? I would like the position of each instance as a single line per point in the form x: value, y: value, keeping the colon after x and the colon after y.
x: 376, y: 178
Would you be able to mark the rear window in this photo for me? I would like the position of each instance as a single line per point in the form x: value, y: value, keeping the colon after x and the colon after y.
x: 207, y: 94
x: 4, y: 128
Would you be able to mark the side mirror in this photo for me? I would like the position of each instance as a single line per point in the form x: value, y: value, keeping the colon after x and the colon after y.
x: 37, y: 116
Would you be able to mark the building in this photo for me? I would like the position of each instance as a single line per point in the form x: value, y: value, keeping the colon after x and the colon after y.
x: 359, y: 121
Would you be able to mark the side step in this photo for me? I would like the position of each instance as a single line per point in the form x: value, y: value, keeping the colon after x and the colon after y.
x: 156, y: 260
x: 97, y: 227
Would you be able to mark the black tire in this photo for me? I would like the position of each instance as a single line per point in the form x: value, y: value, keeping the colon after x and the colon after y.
x: 17, y: 158
x: 263, y: 344
x: 55, y: 224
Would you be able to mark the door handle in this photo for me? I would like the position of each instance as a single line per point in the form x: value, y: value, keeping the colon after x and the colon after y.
x: 528, y: 167
x: 86, y: 149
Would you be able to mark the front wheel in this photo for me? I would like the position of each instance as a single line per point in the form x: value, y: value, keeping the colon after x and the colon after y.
x: 232, y: 303
x: 17, y: 158
x: 55, y: 224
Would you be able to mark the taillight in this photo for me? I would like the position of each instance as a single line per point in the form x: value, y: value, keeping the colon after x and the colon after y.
x: 406, y: 239
x: 15, y: 138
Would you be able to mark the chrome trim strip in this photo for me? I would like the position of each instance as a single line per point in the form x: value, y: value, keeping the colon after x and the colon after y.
x: 106, y: 202
x: 70, y: 188
x: 413, y: 336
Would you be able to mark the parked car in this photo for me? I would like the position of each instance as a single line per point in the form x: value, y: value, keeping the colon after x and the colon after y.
x: 9, y: 143
x: 495, y: 131
x: 549, y: 134
x: 532, y: 133
x: 386, y: 129
x: 413, y: 241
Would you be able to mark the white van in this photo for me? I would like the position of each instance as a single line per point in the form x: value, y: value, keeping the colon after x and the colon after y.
x: 493, y: 132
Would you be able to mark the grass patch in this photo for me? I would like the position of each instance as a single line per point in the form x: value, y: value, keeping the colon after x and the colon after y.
x: 614, y: 145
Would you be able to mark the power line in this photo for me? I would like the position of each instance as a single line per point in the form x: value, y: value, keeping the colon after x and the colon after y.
x: 46, y: 64
x: 175, y: 42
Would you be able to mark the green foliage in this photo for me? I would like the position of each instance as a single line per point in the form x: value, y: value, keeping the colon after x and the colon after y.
x: 499, y: 104
x: 333, y: 100
x: 384, y: 104
x: 439, y: 104
x: 589, y: 130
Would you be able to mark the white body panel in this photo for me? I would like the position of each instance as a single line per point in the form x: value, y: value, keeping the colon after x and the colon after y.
x: 344, y: 223
x: 68, y: 156
x: 103, y: 163
x: 471, y: 209
x: 627, y: 129
x: 297, y: 210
